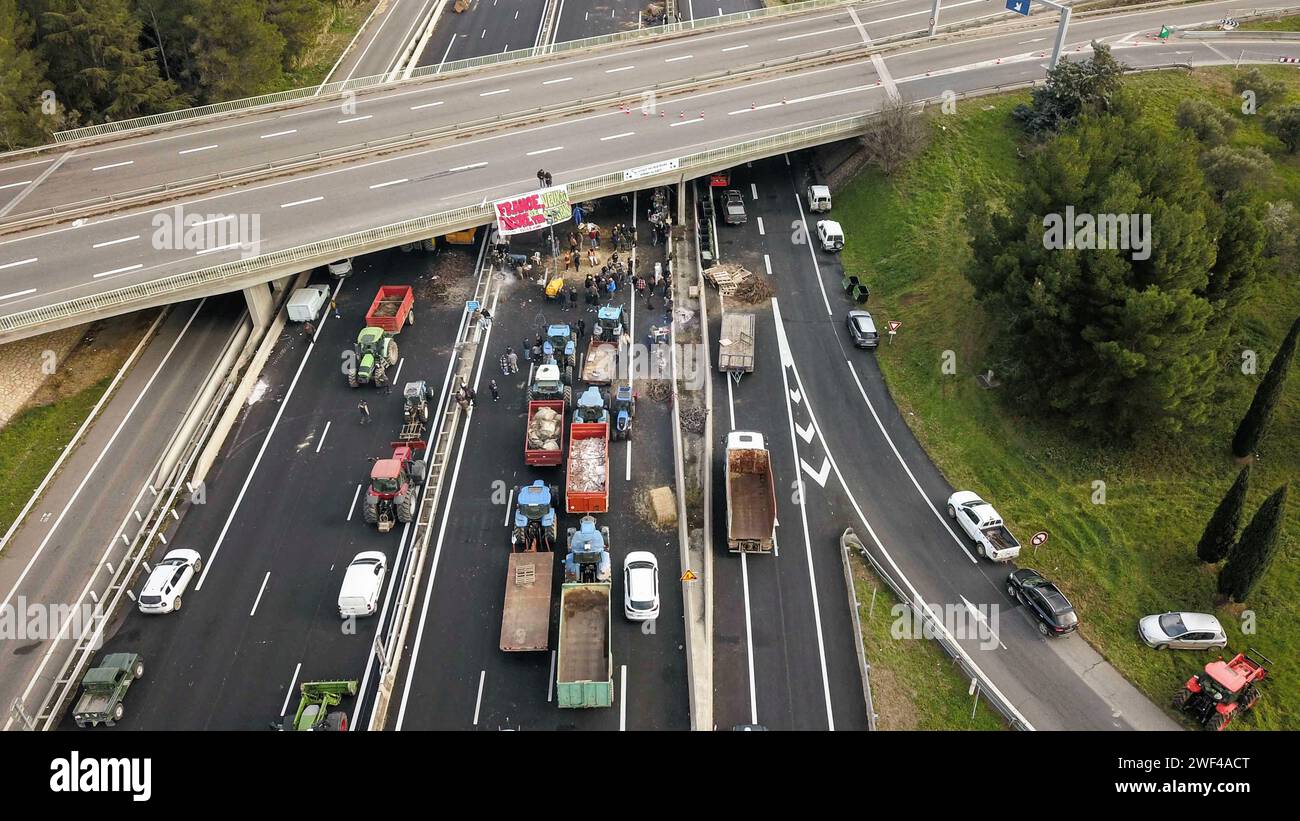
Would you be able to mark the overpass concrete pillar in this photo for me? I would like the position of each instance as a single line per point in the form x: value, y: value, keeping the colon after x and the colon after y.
x: 260, y: 305
x: 681, y: 201
x: 278, y: 286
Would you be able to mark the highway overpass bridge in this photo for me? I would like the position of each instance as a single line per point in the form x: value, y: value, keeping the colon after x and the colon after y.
x: 95, y: 225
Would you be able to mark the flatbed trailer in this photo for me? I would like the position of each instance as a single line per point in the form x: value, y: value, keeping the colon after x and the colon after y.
x: 586, y: 487
x: 540, y: 456
x: 751, y: 494
x: 736, y: 345
x: 600, y: 367
x: 391, y: 308
x: 585, y: 665
x: 526, y: 617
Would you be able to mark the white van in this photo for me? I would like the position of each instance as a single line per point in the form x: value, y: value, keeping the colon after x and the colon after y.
x: 831, y: 235
x: 341, y: 268
x: 305, y: 303
x: 819, y: 199
x: 362, y: 584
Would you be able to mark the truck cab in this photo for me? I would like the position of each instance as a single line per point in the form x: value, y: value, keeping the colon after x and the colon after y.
x: 819, y: 199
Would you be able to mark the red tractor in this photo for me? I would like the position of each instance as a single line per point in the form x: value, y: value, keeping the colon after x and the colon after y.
x: 395, y: 486
x: 1225, y: 690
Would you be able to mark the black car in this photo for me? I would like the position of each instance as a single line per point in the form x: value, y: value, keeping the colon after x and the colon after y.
x: 862, y: 329
x: 1051, y: 609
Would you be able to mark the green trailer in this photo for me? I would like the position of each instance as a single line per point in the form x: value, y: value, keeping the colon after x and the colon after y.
x: 585, y: 665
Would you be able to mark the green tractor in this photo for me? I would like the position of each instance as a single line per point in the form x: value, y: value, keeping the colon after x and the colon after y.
x: 374, y: 353
x: 313, y: 707
x: 549, y: 384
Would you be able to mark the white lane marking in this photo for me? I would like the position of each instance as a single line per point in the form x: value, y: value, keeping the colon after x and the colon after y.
x: 196, y: 150
x: 686, y: 122
x: 810, y: 98
x: 553, y: 82
x: 478, y: 700
x: 886, y: 79
x: 278, y: 134
x: 550, y: 681
x: 15, y: 184
x: 881, y: 425
x: 113, y: 165
x: 857, y: 21
x: 390, y: 182
x: 296, y: 203
x: 426, y: 105
x: 115, y: 241
x: 17, y: 294
x: 509, y: 501
x: 545, y: 150
x: 1040, y: 39
x: 397, y: 373
x: 753, y: 191
x: 749, y: 633
x: 979, y: 617
x: 807, y: 434
x: 355, y: 119
x: 19, y: 262
x: 323, y: 434
x: 622, y: 699
x: 468, y: 167
x: 258, y: 600
x: 498, y: 91
x: 617, y: 136
x: 285, y: 708
x: 353, y: 506
x: 818, y: 476
x: 616, y: 70
x: 135, y: 267
x: 678, y: 59
x: 762, y: 232
x: 767, y: 264
x: 228, y: 246
x: 735, y: 48
x: 798, y: 200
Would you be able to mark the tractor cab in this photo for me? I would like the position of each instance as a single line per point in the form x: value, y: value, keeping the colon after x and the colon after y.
x: 549, y: 384
x: 535, y: 520
x: 624, y: 408
x: 588, y: 557
x: 386, y: 478
x: 415, y: 401
x: 560, y: 344
x: 609, y: 323
x: 394, y: 486
x: 591, y: 406
x: 374, y: 353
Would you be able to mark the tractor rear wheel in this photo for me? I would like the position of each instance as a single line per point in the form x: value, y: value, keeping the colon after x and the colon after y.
x: 568, y: 375
x: 1218, y: 721
x: 418, y: 472
x: 336, y: 722
x: 1249, y: 698
x: 380, y: 377
x: 392, y: 353
x: 406, y: 508
x: 352, y: 379
x: 517, y: 537
x: 370, y: 513
x: 1180, y: 698
x: 568, y: 398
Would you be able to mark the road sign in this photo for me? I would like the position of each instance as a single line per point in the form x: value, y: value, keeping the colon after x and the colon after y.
x: 689, y: 576
x: 650, y: 170
x: 720, y: 180
x: 1165, y: 31
x: 1038, y: 538
x: 894, y: 325
x: 1018, y: 6
x: 471, y: 306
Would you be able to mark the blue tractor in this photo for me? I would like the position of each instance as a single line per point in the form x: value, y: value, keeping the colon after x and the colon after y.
x: 561, y: 346
x: 609, y: 323
x: 591, y: 407
x: 588, y: 559
x: 624, y: 408
x: 536, y: 525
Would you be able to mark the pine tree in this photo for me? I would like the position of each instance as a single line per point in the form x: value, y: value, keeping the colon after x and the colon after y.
x: 299, y: 22
x: 1267, y: 395
x: 24, y: 115
x: 237, y: 52
x: 1252, y: 555
x: 1221, y: 531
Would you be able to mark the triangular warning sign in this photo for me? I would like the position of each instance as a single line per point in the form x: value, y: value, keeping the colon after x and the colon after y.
x: 689, y: 576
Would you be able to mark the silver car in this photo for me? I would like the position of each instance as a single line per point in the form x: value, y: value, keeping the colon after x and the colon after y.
x: 1182, y: 631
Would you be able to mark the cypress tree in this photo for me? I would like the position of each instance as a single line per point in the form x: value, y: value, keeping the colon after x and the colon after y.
x: 1221, y: 531
x: 1252, y: 426
x: 1252, y: 555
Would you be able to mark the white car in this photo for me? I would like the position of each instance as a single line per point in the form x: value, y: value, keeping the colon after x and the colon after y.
x: 830, y: 235
x: 362, y: 583
x: 1182, y: 631
x: 341, y: 268
x: 641, y: 586
x: 169, y: 579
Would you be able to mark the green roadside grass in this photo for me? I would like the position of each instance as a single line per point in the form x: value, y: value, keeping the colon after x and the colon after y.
x: 317, y: 63
x: 1291, y: 23
x: 914, y: 683
x: 1134, y: 554
x: 31, y: 442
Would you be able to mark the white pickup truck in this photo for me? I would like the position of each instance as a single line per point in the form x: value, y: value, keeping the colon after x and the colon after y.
x: 983, y: 525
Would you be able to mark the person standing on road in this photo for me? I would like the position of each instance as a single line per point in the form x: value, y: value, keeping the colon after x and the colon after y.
x: 573, y: 298
x: 582, y: 328
x: 364, y: 410
x: 513, y: 360
x: 496, y: 394
x: 308, y: 329
x: 334, y: 306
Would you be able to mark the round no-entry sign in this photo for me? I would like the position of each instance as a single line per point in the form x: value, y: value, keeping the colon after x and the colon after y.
x: 1038, y: 538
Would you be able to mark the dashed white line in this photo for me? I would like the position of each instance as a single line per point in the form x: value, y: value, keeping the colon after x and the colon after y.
x: 300, y: 202
x: 353, y: 506
x: 278, y: 134
x: 762, y: 232
x: 767, y: 263
x: 114, y: 241
x: 15, y: 184
x: 218, y: 218
x: 478, y: 701
x: 426, y: 105
x: 17, y: 294
x: 753, y: 190
x: 736, y: 48
x: 553, y: 82
x: 679, y: 59
x: 468, y: 167
x: 545, y: 150
x: 617, y: 136
x: 118, y: 271
x: 686, y: 122
x: 323, y: 434
x: 498, y: 91
x: 616, y: 70
x: 19, y: 262
x: 390, y: 182
x: 258, y: 600
x: 289, y: 694
x: 356, y: 119
x: 622, y: 698
x: 196, y: 150
x: 227, y: 247
x: 112, y: 165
